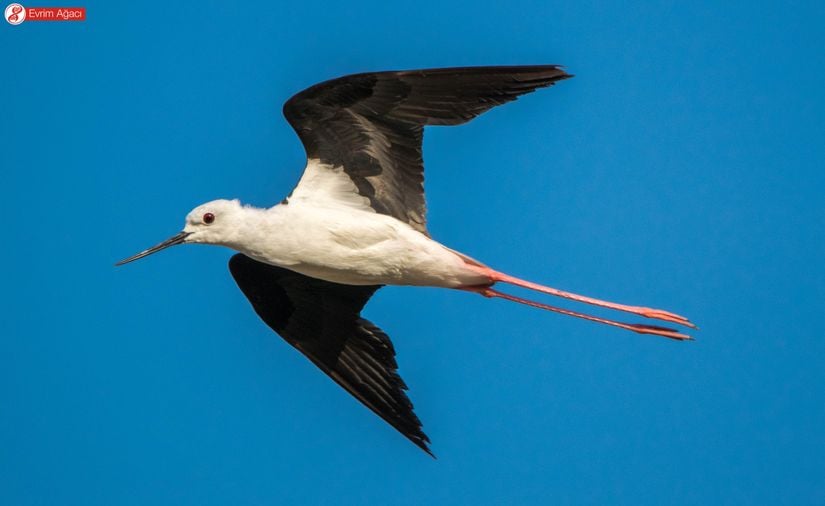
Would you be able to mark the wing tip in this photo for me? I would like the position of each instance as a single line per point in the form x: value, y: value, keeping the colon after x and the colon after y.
x: 422, y: 441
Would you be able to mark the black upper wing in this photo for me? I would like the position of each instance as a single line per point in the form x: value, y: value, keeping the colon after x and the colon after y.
x: 322, y: 320
x: 372, y: 124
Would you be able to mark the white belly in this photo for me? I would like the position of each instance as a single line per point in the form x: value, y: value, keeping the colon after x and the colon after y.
x: 361, y: 248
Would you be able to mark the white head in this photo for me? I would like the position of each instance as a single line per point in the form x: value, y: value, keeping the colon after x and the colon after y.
x: 216, y: 222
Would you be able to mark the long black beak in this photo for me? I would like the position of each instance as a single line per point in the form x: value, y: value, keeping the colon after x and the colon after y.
x: 172, y: 241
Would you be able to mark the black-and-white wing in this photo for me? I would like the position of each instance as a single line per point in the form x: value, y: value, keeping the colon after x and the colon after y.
x: 322, y: 320
x: 363, y: 132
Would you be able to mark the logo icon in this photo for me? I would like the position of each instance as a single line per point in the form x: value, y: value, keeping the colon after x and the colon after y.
x: 15, y: 14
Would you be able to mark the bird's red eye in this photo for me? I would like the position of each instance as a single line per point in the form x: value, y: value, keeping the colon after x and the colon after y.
x: 208, y: 218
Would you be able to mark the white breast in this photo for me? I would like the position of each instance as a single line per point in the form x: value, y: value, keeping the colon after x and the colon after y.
x: 357, y: 247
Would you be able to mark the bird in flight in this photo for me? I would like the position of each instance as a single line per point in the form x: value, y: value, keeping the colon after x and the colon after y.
x: 356, y: 221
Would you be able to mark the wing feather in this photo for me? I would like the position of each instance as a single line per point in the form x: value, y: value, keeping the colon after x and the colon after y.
x: 371, y: 125
x: 322, y: 320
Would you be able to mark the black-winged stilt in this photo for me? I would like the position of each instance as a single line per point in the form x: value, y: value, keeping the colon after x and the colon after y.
x: 356, y: 221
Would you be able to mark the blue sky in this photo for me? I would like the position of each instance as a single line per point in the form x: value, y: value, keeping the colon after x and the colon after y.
x: 682, y: 168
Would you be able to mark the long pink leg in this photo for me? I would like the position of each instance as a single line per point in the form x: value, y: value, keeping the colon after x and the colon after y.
x: 634, y: 327
x: 646, y: 312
